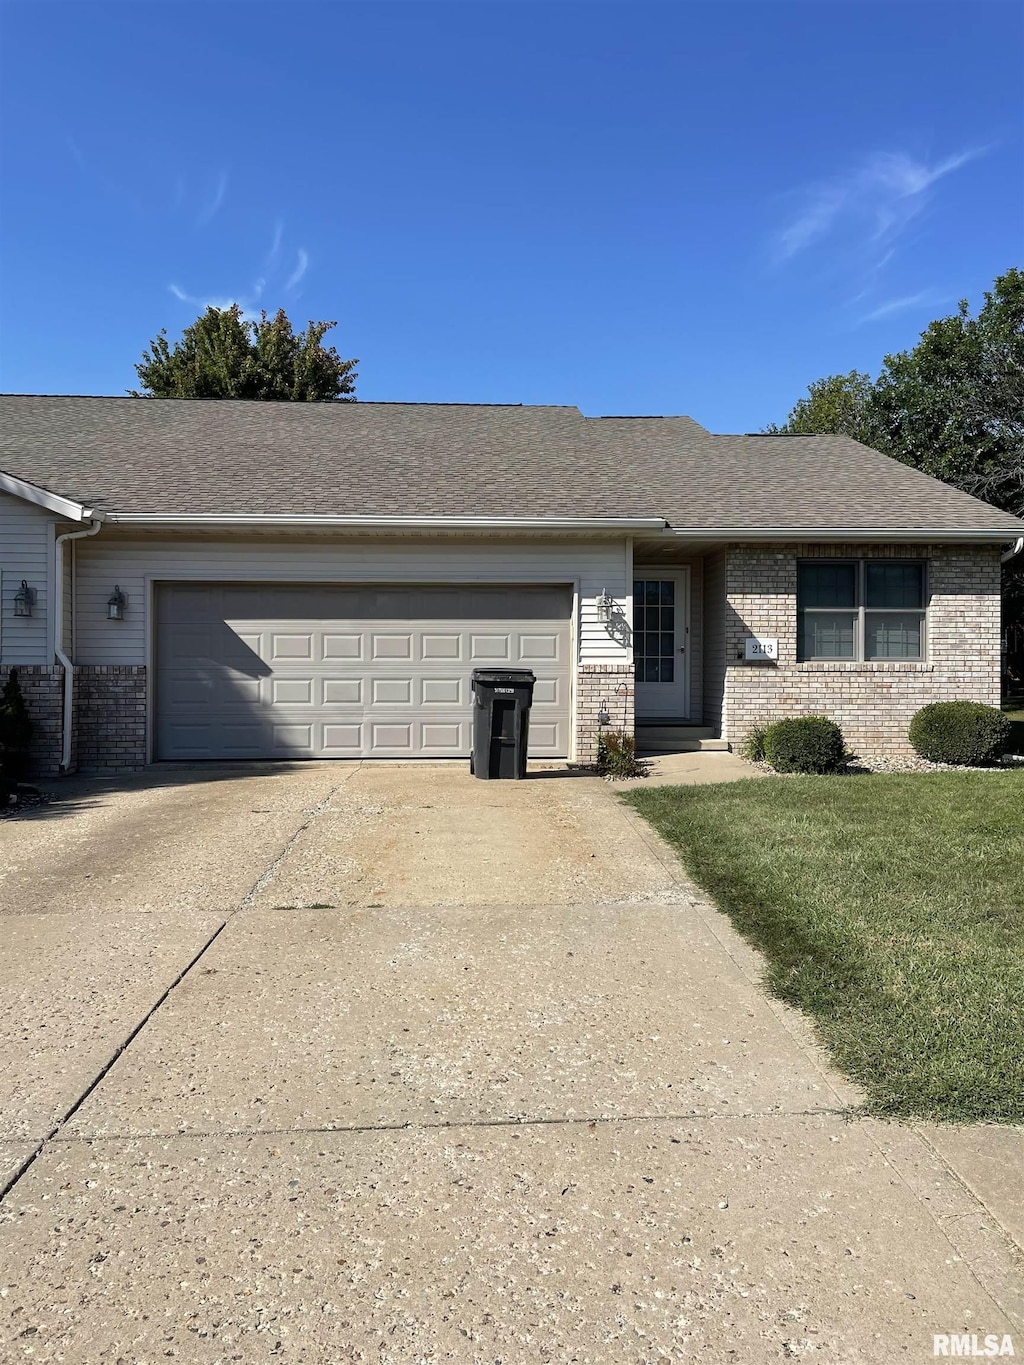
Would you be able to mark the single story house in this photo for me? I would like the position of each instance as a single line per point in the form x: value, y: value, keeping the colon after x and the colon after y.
x: 229, y: 580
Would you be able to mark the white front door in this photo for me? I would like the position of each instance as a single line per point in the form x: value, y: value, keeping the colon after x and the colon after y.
x: 661, y: 614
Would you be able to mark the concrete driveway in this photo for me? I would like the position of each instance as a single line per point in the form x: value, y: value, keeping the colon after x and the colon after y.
x: 381, y: 1063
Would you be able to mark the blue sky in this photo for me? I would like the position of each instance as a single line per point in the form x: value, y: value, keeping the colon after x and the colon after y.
x: 636, y: 208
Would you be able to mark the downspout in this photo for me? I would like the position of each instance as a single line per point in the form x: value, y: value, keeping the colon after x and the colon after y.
x: 58, y: 638
x: 1013, y: 551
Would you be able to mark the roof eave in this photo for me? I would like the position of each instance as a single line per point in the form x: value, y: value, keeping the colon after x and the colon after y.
x: 398, y: 523
x: 42, y: 497
x: 915, y: 534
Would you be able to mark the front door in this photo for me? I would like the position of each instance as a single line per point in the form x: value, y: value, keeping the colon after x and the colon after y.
x: 660, y: 640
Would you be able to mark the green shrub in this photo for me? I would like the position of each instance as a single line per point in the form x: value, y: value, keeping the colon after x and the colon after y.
x: 805, y: 744
x: 616, y: 755
x: 15, y: 731
x: 966, y: 733
x: 752, y: 748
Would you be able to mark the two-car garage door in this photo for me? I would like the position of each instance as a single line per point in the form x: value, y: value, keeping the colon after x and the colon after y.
x: 270, y: 670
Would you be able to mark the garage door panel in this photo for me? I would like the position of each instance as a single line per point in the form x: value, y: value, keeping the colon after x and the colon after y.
x: 292, y: 691
x: 341, y: 647
x: 343, y: 691
x: 490, y: 649
x: 290, y: 670
x: 391, y: 691
x: 441, y: 692
x: 441, y: 647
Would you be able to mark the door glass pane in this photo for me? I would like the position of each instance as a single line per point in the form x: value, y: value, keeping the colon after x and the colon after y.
x: 827, y: 585
x: 895, y: 586
x: 827, y: 635
x: 654, y: 638
x: 893, y: 635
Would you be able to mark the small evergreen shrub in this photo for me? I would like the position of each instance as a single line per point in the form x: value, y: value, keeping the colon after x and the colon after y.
x: 752, y: 748
x: 617, y: 757
x: 805, y: 744
x: 966, y: 733
x: 15, y: 732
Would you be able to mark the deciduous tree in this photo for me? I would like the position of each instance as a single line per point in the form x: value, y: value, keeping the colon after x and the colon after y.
x: 225, y: 355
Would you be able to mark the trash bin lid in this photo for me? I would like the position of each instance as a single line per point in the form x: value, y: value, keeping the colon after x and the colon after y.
x: 507, y: 676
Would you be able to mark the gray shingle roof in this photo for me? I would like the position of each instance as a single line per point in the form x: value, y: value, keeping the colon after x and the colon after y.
x: 394, y: 459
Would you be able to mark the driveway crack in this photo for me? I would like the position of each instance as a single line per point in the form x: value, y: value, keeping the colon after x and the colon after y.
x: 245, y: 903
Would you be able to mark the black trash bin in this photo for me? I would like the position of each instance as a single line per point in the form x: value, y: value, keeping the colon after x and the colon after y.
x: 502, y: 698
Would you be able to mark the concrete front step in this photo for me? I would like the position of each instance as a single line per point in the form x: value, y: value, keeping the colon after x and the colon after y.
x: 666, y: 730
x: 648, y: 745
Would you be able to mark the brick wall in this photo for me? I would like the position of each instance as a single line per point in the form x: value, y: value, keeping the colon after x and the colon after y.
x: 42, y: 686
x: 596, y: 688
x: 873, y: 702
x: 110, y: 718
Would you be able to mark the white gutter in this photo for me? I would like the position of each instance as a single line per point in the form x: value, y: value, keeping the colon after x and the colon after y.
x: 1013, y: 551
x: 58, y: 637
x: 847, y: 533
x: 42, y: 497
x: 399, y: 523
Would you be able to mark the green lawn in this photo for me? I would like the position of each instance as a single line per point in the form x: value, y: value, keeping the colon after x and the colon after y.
x: 890, y: 908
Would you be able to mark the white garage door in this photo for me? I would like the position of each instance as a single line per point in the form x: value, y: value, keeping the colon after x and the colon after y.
x: 263, y: 670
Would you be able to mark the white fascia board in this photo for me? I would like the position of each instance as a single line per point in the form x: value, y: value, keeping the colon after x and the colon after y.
x: 398, y: 523
x: 42, y: 497
x: 999, y: 536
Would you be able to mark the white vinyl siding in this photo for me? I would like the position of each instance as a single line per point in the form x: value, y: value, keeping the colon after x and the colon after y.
x: 109, y: 559
x: 26, y: 545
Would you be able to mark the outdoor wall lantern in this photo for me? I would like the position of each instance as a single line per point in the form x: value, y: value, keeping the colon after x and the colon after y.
x: 603, y: 718
x: 23, y: 599
x: 116, y: 604
x: 605, y: 604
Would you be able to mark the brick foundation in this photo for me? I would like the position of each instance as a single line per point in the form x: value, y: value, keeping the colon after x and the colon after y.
x: 872, y: 702
x: 596, y: 688
x: 110, y: 718
x: 42, y: 686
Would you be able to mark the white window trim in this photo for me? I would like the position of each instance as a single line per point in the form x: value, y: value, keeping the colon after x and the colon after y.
x: 861, y: 612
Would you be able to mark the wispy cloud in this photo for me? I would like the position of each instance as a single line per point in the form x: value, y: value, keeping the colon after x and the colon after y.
x: 300, y: 269
x: 216, y: 201
x: 275, y: 247
x: 901, y: 305
x: 870, y: 206
x: 251, y: 299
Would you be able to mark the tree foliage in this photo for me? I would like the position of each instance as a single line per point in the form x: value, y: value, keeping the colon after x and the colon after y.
x: 225, y: 355
x: 952, y: 406
x: 838, y: 404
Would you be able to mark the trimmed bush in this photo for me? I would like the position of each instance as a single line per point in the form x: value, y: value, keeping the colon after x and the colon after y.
x: 752, y: 748
x: 616, y: 755
x: 805, y: 744
x: 15, y: 731
x: 966, y: 733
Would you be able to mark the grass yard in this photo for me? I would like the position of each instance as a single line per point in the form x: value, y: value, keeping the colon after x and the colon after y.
x: 890, y: 908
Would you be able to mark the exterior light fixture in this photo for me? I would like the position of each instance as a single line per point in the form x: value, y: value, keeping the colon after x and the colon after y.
x: 603, y: 717
x: 116, y: 604
x: 23, y: 599
x: 605, y: 604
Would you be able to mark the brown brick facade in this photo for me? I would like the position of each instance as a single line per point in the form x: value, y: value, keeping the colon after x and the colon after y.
x: 110, y: 718
x: 873, y: 702
x: 42, y: 686
x: 601, y: 686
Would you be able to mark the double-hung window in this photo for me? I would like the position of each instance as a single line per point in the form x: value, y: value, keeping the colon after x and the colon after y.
x: 861, y: 609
